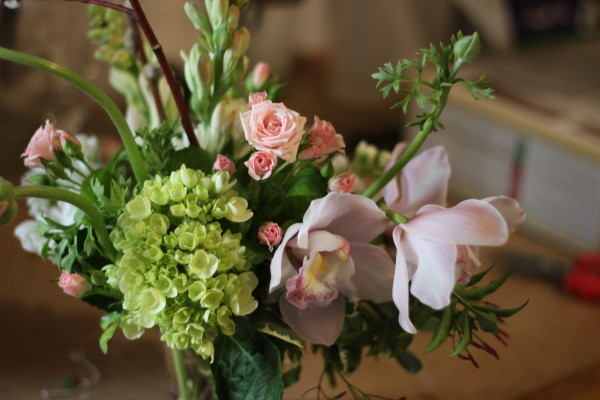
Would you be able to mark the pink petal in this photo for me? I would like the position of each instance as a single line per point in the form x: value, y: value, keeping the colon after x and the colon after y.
x: 391, y: 191
x: 510, y: 209
x: 473, y: 222
x: 373, y: 276
x: 318, y: 325
x: 318, y: 241
x: 423, y: 181
x: 354, y: 217
x: 281, y: 267
x: 434, y: 277
x: 400, y: 286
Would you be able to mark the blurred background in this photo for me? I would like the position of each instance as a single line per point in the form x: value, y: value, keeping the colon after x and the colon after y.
x: 539, y: 142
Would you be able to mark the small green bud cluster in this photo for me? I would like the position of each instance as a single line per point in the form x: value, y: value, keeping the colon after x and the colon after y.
x: 369, y: 160
x: 180, y: 270
x: 108, y: 31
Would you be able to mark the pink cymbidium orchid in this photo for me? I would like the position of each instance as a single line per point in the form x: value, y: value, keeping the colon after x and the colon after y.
x: 326, y: 255
x: 438, y: 247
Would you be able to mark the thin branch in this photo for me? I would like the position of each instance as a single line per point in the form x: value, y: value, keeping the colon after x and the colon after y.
x: 140, y: 17
x: 107, y: 4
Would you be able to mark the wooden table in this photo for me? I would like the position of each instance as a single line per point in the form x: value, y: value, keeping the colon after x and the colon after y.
x: 553, y: 352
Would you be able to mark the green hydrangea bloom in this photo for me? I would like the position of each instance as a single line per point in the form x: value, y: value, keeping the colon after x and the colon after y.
x: 179, y: 269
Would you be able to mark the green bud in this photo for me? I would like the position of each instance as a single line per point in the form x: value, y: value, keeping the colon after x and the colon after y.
x: 203, y: 264
x: 222, y: 37
x: 188, y: 241
x: 196, y: 291
x: 206, y: 71
x: 8, y: 211
x: 468, y: 48
x: 233, y: 17
x: 139, y: 208
x: 237, y: 210
x: 225, y: 323
x: 217, y: 13
x: 7, y: 190
x: 177, y: 192
x: 199, y: 20
x: 211, y: 299
x: 152, y: 301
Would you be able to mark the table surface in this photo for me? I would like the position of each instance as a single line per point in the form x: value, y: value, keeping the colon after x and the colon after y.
x: 553, y: 352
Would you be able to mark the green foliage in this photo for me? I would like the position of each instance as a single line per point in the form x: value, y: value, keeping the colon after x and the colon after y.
x: 157, y: 147
x: 246, y: 366
x: 406, y: 79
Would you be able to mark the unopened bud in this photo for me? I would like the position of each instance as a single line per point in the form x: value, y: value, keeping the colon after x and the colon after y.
x: 233, y: 17
x: 8, y: 211
x: 199, y: 20
x: 217, y: 11
x: 468, y: 48
x: 260, y: 74
x: 396, y: 217
x: 7, y: 190
x: 222, y: 37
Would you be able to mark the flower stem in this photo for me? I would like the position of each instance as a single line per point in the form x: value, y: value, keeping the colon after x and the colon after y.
x: 180, y: 374
x: 95, y: 93
x: 96, y: 220
x: 141, y: 19
x: 419, y: 139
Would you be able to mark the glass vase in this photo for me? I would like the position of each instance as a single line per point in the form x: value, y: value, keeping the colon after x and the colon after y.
x: 190, y: 375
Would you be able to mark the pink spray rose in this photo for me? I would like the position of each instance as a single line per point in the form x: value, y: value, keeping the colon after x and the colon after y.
x: 323, y: 140
x: 343, y: 183
x: 256, y: 98
x: 270, y: 234
x: 44, y: 143
x: 223, y: 163
x: 73, y: 284
x: 274, y: 128
x: 261, y: 164
x: 260, y: 74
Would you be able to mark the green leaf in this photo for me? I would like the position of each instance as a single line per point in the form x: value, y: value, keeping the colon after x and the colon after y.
x: 291, y: 376
x: 268, y: 324
x: 246, y: 366
x: 487, y: 321
x: 410, y: 362
x: 479, y: 293
x: 499, y: 312
x: 442, y: 330
x: 192, y: 157
x: 475, y: 279
x: 109, y: 323
x: 466, y: 324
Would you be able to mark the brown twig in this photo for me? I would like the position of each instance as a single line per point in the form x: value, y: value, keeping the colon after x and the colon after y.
x: 140, y: 18
x: 107, y: 4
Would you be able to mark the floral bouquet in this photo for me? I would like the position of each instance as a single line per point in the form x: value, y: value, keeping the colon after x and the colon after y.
x: 242, y: 231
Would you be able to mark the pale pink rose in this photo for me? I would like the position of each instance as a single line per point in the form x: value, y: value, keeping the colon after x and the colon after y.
x: 260, y: 74
x: 261, y: 164
x: 73, y: 284
x: 323, y: 140
x: 256, y: 98
x: 274, y: 128
x: 223, y: 163
x: 343, y: 183
x: 270, y: 234
x: 45, y: 141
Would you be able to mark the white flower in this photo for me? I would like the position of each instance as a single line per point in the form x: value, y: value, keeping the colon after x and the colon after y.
x: 27, y: 233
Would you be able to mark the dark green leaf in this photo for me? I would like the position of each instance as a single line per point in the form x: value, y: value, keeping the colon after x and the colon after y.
x: 192, y: 157
x: 443, y: 329
x: 487, y: 321
x: 291, y: 376
x: 466, y: 324
x: 479, y: 293
x: 246, y: 366
x: 109, y: 323
x: 499, y: 312
x: 409, y: 362
x: 475, y: 279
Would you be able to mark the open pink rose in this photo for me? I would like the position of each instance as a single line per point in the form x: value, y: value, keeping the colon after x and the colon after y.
x: 270, y: 234
x: 260, y: 74
x: 343, y: 183
x: 261, y: 164
x: 274, y: 128
x: 223, y: 163
x: 45, y: 141
x: 323, y: 140
x: 73, y: 284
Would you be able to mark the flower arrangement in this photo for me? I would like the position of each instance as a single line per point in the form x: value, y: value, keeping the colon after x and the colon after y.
x: 244, y: 234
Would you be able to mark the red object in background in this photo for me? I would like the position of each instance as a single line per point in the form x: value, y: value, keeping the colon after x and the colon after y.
x: 584, y: 279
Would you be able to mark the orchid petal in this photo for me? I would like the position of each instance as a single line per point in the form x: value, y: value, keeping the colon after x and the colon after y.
x: 391, y: 192
x: 513, y: 213
x: 281, y: 267
x: 318, y: 241
x: 354, y: 217
x: 473, y: 222
x: 434, y: 278
x: 373, y: 276
x: 424, y: 180
x: 318, y: 325
x: 400, y: 285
